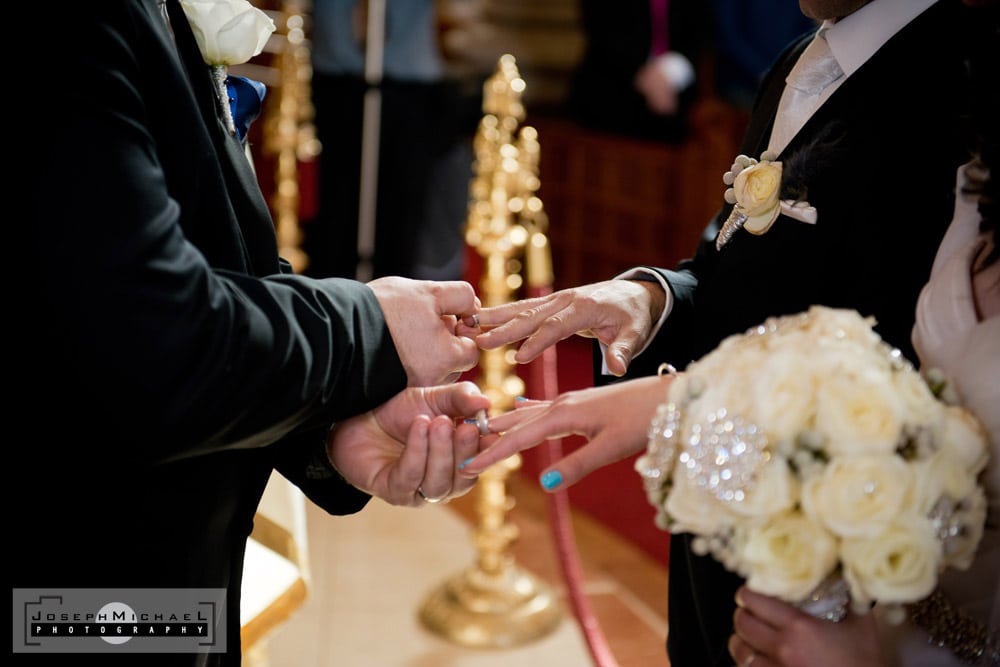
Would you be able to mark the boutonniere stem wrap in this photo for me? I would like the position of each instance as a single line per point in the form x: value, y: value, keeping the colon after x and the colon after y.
x: 755, y: 193
x: 228, y: 32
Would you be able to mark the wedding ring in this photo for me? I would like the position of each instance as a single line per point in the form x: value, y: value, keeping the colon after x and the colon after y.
x: 475, y: 320
x: 426, y: 499
x: 483, y: 422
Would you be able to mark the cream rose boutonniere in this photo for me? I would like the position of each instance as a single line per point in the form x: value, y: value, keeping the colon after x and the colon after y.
x: 755, y: 193
x: 228, y: 32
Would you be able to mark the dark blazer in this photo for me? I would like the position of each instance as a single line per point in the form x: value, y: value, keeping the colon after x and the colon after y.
x: 168, y: 363
x: 878, y: 162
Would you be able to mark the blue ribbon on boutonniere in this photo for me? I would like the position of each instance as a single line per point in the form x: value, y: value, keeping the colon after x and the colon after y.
x: 246, y: 98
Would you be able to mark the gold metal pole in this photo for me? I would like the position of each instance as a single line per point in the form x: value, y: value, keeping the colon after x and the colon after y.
x: 288, y: 133
x: 495, y: 603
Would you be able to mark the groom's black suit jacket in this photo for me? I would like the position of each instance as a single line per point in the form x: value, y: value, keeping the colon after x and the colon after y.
x: 161, y: 380
x: 878, y: 161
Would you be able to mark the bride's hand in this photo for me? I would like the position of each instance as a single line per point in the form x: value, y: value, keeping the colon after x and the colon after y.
x: 614, y: 419
x: 619, y: 313
x: 769, y: 631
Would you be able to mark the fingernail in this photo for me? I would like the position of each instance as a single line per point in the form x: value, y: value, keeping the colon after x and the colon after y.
x: 469, y: 420
x: 739, y: 600
x: 466, y: 461
x: 551, y: 479
x: 520, y: 398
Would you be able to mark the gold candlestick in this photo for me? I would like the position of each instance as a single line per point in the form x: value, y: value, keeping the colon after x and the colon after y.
x: 495, y: 603
x: 289, y: 136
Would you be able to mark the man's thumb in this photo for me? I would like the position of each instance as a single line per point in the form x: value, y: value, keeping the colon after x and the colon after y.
x: 618, y: 357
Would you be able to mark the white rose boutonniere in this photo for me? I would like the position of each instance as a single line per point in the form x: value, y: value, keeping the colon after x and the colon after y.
x: 805, y: 456
x: 228, y: 32
x: 755, y: 193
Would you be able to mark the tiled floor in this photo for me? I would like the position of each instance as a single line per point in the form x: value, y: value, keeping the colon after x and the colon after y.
x: 371, y: 572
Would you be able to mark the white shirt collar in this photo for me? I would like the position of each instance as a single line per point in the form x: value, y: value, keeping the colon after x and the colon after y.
x: 856, y: 37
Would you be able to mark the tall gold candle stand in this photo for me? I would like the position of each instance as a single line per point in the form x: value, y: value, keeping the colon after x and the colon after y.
x: 289, y: 134
x: 495, y: 603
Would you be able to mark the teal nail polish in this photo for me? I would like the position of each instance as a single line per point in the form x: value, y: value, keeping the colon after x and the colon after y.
x: 520, y: 398
x: 551, y: 479
x: 466, y: 461
x: 469, y: 421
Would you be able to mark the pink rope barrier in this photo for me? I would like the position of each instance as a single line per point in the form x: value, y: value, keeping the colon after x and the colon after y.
x: 543, y: 375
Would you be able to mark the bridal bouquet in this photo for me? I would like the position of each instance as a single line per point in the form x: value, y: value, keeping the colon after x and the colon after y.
x: 810, y: 458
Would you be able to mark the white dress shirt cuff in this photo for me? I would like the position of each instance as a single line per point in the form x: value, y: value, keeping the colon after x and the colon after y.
x: 640, y: 273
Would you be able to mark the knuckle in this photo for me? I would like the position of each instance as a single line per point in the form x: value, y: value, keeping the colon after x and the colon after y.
x: 529, y: 315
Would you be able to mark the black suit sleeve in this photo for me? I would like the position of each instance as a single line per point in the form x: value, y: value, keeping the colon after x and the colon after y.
x: 301, y: 458
x: 146, y: 340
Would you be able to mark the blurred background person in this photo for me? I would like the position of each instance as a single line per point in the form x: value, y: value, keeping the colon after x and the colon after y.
x: 642, y: 66
x: 425, y: 128
x: 636, y: 75
x: 748, y: 36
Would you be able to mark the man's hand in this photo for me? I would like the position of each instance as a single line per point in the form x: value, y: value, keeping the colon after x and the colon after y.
x: 658, y: 90
x: 408, y: 449
x: 422, y: 316
x: 619, y: 313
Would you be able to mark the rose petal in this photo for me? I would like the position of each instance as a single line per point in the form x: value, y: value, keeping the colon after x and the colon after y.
x: 759, y: 224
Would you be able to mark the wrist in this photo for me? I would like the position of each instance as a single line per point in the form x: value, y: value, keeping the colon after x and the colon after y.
x: 657, y: 297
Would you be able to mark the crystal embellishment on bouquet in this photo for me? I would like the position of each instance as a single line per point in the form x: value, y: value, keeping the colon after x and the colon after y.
x: 810, y: 458
x: 723, y: 455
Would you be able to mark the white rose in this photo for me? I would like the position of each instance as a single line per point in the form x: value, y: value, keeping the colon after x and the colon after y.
x: 940, y: 475
x: 858, y: 497
x: 229, y: 32
x: 842, y: 324
x: 859, y: 411
x: 898, y: 565
x: 775, y: 491
x: 784, y: 391
x: 728, y: 367
x: 921, y: 408
x: 964, y: 437
x: 757, y: 189
x: 945, y: 487
x: 717, y: 394
x: 788, y: 556
x: 694, y: 510
x: 961, y: 548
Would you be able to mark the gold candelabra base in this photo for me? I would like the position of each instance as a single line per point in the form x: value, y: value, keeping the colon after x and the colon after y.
x: 483, y: 610
x: 494, y: 603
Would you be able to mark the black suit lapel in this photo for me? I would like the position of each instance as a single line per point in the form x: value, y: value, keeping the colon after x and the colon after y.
x: 250, y: 208
x: 194, y: 64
